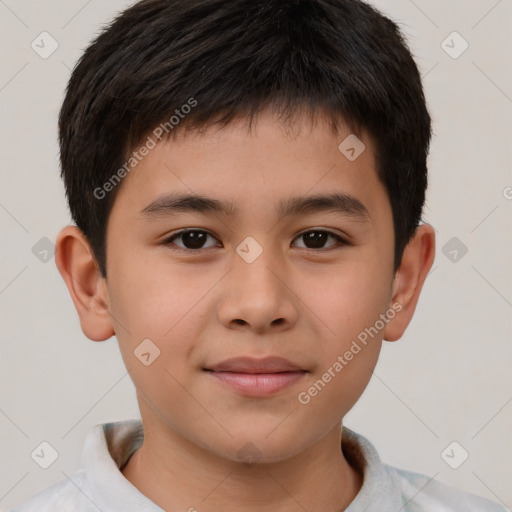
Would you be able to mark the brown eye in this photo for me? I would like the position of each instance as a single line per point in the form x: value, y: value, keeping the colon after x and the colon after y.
x: 316, y: 239
x: 191, y: 240
x: 195, y: 240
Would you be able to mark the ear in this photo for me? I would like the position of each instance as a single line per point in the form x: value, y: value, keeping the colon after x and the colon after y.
x: 417, y: 260
x: 88, y: 290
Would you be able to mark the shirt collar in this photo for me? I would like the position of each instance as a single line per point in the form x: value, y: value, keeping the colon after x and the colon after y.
x: 107, y: 448
x: 379, y: 492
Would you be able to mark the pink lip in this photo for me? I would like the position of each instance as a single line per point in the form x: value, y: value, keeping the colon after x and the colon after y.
x: 257, y: 377
x: 258, y: 384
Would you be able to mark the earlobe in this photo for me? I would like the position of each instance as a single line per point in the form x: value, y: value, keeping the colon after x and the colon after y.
x: 417, y: 260
x: 88, y: 290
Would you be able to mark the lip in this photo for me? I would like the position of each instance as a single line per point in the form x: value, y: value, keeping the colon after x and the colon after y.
x: 253, y: 365
x: 257, y: 377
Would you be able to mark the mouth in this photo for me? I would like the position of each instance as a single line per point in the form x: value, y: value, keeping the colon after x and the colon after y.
x: 257, y: 377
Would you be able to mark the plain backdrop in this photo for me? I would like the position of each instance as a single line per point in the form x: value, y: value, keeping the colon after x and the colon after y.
x: 446, y: 380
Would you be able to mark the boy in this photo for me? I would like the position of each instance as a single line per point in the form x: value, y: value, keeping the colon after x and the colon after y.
x: 247, y: 180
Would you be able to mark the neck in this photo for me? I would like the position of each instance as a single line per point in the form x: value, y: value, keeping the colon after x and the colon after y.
x: 178, y: 475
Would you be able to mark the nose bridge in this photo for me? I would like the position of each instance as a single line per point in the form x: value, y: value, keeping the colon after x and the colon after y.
x: 256, y: 295
x: 252, y: 268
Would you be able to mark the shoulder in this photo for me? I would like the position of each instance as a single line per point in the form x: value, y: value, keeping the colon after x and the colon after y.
x: 69, y: 494
x: 425, y: 494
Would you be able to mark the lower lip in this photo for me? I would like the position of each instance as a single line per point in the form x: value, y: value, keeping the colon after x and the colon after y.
x: 258, y: 384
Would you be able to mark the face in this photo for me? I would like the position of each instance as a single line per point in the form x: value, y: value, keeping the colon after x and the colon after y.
x: 267, y: 277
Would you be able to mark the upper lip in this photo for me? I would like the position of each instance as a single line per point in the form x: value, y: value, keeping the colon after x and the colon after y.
x: 253, y: 365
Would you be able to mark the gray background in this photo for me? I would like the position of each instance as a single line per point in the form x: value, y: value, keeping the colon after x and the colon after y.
x: 447, y: 379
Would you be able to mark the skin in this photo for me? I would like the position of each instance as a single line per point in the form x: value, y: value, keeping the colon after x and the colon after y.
x: 204, y: 307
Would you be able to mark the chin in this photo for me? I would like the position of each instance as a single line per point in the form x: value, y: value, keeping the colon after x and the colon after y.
x: 258, y: 447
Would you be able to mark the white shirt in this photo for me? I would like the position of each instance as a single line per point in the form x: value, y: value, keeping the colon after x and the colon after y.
x: 100, y: 485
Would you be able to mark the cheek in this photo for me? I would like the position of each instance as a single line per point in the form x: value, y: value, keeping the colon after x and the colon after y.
x: 152, y: 314
x: 346, y: 308
x: 348, y: 299
x: 165, y: 304
x: 152, y: 298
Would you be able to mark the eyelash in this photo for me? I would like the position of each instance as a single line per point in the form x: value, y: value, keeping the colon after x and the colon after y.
x: 169, y: 241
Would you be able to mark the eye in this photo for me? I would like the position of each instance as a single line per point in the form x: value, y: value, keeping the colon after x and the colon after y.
x: 315, y: 239
x: 195, y: 239
x: 192, y: 239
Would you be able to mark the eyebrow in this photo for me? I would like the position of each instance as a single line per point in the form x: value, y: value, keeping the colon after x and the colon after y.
x: 172, y: 203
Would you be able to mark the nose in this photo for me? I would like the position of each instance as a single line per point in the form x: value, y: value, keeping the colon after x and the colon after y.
x: 258, y: 296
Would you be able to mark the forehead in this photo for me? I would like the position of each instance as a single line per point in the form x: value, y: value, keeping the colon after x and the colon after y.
x: 245, y: 169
